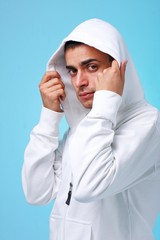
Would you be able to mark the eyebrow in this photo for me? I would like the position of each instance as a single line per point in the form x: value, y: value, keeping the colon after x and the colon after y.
x: 85, y: 62
x: 88, y: 61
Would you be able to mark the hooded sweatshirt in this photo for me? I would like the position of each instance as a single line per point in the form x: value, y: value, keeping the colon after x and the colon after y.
x: 105, y: 173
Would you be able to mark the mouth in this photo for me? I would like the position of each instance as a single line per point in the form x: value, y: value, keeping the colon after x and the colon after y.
x: 86, y: 95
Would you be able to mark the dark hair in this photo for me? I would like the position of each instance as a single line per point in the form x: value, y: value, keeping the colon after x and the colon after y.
x: 73, y: 44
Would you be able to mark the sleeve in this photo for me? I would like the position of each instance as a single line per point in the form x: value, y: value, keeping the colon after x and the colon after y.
x: 41, y: 171
x: 107, y: 161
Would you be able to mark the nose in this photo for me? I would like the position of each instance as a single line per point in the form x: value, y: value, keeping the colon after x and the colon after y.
x: 81, y: 79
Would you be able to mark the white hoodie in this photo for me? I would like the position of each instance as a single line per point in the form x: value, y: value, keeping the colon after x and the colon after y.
x: 110, y: 154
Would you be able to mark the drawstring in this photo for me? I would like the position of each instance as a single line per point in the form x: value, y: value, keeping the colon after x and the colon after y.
x: 69, y: 194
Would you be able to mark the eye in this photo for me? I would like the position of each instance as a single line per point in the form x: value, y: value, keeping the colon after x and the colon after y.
x: 72, y: 72
x: 92, y: 67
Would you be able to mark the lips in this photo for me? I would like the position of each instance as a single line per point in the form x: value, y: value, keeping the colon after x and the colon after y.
x: 86, y: 95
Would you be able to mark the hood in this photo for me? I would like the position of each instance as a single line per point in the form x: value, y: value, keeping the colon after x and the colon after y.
x: 104, y: 37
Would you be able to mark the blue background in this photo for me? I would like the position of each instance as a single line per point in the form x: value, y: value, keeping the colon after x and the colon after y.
x: 30, y: 31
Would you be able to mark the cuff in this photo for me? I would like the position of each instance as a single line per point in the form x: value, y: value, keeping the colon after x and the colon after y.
x: 106, y: 105
x: 49, y: 121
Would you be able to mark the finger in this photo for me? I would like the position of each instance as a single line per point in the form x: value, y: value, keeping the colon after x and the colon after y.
x: 49, y: 75
x: 53, y: 88
x: 55, y: 96
x: 61, y: 94
x: 123, y: 70
x: 52, y: 82
x: 115, y: 64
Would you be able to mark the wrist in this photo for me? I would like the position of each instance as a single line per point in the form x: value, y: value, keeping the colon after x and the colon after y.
x: 49, y: 121
x: 106, y: 105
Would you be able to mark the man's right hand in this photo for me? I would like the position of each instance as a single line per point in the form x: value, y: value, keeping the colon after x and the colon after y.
x: 52, y: 90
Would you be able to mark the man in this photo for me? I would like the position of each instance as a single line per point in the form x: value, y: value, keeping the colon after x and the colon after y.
x: 105, y: 173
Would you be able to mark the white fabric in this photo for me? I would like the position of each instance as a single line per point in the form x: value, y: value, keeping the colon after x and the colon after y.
x: 111, y: 154
x: 105, y: 38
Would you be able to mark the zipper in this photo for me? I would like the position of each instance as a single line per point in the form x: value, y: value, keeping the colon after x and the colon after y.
x: 69, y: 194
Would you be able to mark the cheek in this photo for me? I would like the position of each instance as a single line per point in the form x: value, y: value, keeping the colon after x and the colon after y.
x: 92, y: 83
x: 74, y: 84
x: 92, y: 80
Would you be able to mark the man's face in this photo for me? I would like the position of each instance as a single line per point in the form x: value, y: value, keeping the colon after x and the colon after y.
x: 84, y: 63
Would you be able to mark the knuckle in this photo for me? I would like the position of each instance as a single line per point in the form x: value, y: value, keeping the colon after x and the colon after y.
x: 56, y: 80
x: 114, y: 70
x: 46, y: 75
x: 49, y: 73
x: 105, y: 71
x: 43, y: 91
x: 41, y: 88
x: 59, y: 86
x: 100, y: 74
x: 60, y: 91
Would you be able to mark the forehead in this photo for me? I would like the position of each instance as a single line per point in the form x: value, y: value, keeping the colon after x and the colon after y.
x: 83, y: 52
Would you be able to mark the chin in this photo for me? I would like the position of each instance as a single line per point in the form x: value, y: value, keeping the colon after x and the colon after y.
x: 87, y: 105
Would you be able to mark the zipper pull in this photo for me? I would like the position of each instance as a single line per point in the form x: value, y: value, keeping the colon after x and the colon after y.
x: 69, y: 194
